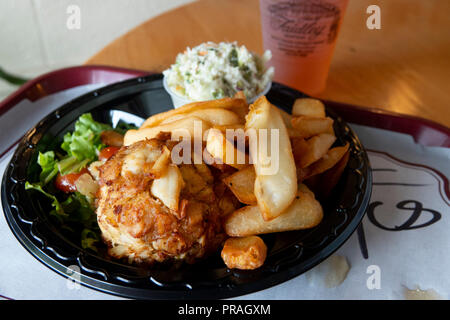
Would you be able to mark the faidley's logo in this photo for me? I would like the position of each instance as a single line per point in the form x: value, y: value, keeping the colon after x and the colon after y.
x: 307, y: 20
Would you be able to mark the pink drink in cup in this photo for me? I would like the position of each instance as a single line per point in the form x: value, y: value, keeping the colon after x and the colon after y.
x: 301, y: 34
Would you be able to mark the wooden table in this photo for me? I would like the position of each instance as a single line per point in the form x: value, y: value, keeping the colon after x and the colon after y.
x: 404, y: 67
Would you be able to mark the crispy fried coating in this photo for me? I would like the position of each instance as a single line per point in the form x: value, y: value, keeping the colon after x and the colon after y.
x: 138, y: 226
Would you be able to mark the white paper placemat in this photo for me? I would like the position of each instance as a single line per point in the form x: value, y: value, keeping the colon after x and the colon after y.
x: 405, y: 230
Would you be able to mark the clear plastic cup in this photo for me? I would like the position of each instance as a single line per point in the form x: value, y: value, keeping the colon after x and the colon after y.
x: 179, y: 101
x: 301, y: 34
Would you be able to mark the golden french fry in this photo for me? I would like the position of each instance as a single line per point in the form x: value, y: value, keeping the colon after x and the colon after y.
x: 308, y: 107
x: 246, y: 253
x: 180, y: 128
x: 275, y: 173
x: 307, y: 127
x: 217, y: 116
x: 167, y: 188
x: 287, y: 118
x: 239, y: 106
x: 223, y: 149
x: 228, y: 203
x: 304, y: 212
x: 242, y: 110
x: 231, y: 126
x: 302, y: 173
x: 237, y: 134
x: 205, y: 172
x: 242, y: 184
x: 328, y: 161
x: 309, y: 151
x: 292, y: 132
x: 304, y: 189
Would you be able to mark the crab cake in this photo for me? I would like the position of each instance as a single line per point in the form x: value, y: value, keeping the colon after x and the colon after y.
x: 150, y: 209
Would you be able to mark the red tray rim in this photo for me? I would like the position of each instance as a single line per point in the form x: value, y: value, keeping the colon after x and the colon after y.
x: 425, y: 132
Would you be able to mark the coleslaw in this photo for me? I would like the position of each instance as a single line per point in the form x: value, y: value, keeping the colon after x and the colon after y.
x: 213, y: 71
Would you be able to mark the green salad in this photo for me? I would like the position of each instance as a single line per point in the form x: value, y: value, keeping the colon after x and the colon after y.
x: 62, y: 166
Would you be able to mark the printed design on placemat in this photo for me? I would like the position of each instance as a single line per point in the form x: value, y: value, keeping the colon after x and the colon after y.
x: 406, y: 195
x: 412, y: 180
x: 406, y: 187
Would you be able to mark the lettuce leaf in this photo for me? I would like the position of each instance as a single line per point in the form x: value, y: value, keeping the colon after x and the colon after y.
x: 73, y: 211
x: 89, y: 238
x: 71, y: 165
x: 48, y: 165
x: 84, y: 142
x: 84, y: 212
x: 122, y: 127
x: 75, y: 208
x: 59, y: 210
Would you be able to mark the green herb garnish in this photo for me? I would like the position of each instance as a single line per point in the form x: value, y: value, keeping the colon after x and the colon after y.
x: 233, y: 58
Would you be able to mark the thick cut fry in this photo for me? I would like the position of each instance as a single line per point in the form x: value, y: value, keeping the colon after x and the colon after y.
x: 236, y: 133
x: 299, y: 147
x: 231, y: 126
x: 302, y: 173
x: 242, y: 184
x: 228, y: 203
x: 238, y: 106
x: 276, y: 176
x: 217, y: 116
x: 167, y: 188
x: 292, y: 132
x: 178, y: 128
x: 328, y: 161
x: 304, y: 212
x: 242, y: 110
x: 223, y: 149
x: 307, y: 127
x: 308, y: 107
x: 287, y: 118
x: 244, y: 253
x: 309, y: 151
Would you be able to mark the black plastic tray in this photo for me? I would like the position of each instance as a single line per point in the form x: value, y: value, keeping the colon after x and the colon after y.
x: 289, y: 253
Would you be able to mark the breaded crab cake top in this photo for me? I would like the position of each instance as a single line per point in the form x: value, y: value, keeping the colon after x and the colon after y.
x: 150, y: 209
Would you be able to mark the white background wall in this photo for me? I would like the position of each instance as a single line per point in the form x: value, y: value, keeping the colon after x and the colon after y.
x: 34, y: 37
